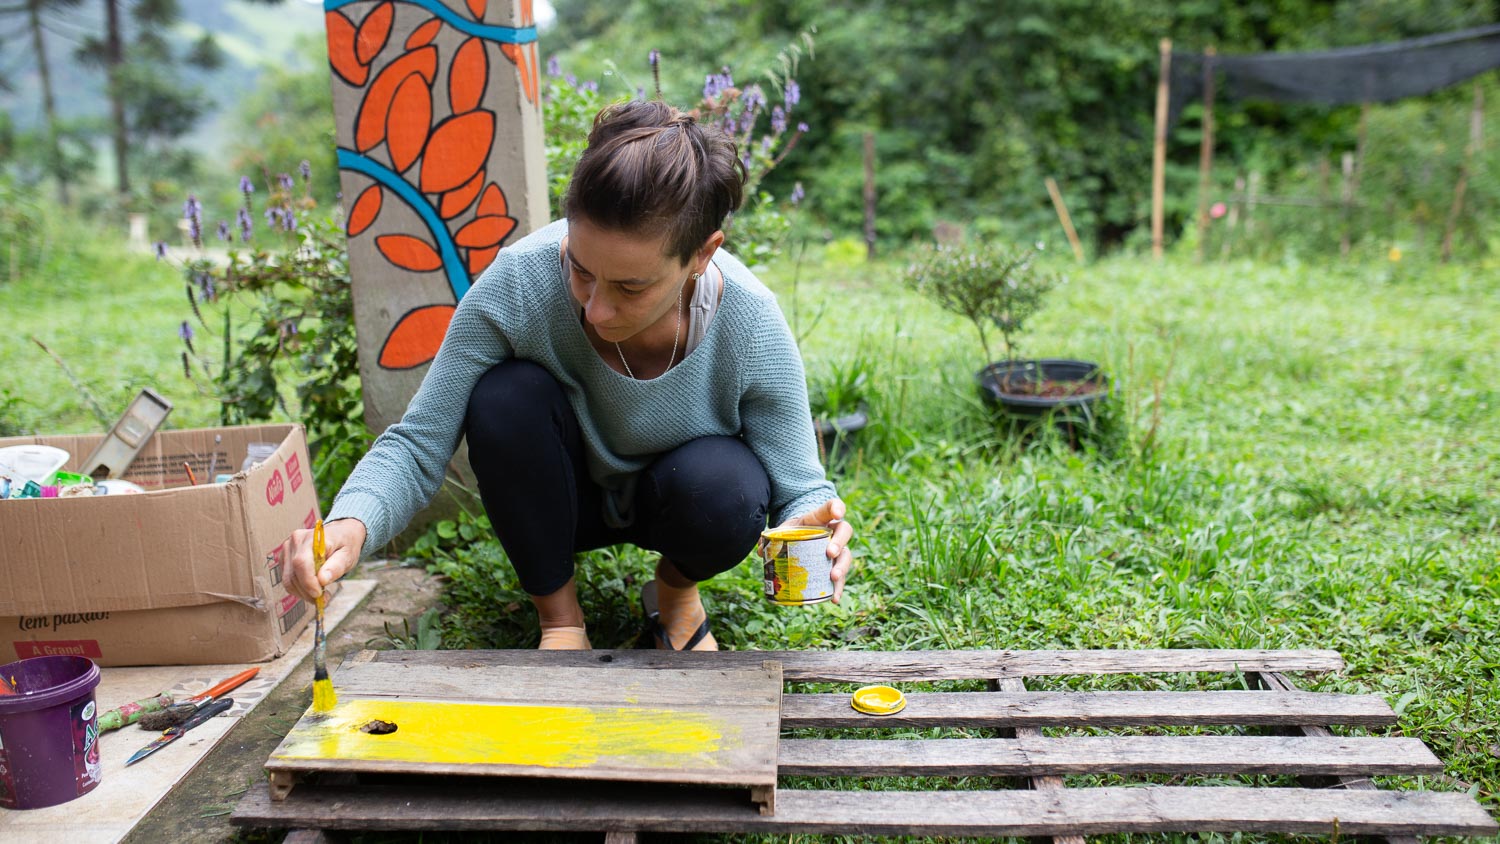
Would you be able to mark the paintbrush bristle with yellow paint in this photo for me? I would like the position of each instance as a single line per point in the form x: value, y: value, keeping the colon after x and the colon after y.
x: 324, y: 697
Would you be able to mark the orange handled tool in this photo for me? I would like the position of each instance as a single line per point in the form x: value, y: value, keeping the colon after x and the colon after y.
x: 228, y: 685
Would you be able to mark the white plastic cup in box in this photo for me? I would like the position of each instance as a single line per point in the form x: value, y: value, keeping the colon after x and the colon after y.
x: 38, y: 463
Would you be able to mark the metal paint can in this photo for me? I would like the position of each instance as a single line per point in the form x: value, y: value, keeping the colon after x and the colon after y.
x: 797, y: 568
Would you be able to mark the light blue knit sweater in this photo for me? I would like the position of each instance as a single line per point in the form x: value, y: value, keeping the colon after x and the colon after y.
x: 745, y: 379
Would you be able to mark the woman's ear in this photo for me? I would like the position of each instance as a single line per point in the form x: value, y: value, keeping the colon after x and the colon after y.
x: 707, y: 250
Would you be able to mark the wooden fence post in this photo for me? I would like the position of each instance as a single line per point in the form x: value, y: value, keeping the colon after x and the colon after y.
x: 870, y: 195
x: 1476, y: 137
x: 1250, y: 197
x: 1234, y: 215
x: 1206, y: 148
x: 1159, y: 150
x: 1067, y: 220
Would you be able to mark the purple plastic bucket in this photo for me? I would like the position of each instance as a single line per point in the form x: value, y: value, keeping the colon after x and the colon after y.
x: 49, y: 732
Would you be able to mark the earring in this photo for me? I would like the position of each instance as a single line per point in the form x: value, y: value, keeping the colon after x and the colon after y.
x: 697, y: 276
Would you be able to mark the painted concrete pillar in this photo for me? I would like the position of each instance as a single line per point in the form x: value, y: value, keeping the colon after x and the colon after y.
x: 439, y: 132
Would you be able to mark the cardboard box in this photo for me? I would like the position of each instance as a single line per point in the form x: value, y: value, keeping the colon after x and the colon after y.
x: 179, y: 575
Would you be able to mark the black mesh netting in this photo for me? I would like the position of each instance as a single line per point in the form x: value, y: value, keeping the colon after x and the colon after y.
x: 1373, y: 73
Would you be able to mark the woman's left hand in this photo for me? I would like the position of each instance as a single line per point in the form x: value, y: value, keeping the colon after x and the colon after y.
x: 831, y: 516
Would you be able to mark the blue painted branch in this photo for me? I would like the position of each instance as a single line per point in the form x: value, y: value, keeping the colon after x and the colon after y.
x: 458, y: 275
x: 489, y: 32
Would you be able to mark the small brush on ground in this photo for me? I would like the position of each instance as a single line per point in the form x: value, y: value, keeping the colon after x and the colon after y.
x: 177, y: 714
x: 324, y: 698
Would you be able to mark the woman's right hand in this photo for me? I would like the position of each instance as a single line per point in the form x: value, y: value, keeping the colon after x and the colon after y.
x: 342, y: 540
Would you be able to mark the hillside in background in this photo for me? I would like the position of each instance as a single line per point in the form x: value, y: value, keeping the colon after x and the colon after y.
x: 251, y: 37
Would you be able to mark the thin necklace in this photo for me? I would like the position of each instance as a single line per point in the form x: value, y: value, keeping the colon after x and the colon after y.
x: 676, y: 333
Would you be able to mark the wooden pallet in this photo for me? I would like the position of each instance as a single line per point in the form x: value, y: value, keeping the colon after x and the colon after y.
x: 1285, y: 735
x: 427, y: 718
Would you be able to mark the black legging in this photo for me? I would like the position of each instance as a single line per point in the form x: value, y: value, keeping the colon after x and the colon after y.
x: 702, y: 505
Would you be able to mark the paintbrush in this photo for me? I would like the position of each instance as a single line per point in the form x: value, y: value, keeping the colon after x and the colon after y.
x: 179, y: 713
x: 324, y: 698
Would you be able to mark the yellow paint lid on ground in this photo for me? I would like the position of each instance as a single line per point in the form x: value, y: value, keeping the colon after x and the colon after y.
x: 878, y: 700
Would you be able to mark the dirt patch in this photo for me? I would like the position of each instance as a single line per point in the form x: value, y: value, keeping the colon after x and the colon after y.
x: 198, y: 808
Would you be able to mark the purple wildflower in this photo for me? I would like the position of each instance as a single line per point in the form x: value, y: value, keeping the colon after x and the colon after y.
x: 793, y: 93
x: 590, y: 85
x: 223, y: 230
x: 207, y: 286
x: 161, y: 249
x: 571, y: 80
x: 192, y: 211
x: 246, y: 224
x: 730, y: 127
x: 797, y: 194
x: 765, y: 144
x: 554, y: 67
x: 247, y: 187
x: 745, y: 159
x: 778, y: 120
x: 640, y: 92
x: 713, y: 86
x: 654, y: 57
x: 273, y: 216
x: 726, y: 77
x: 288, y: 220
x: 185, y: 332
x: 305, y: 168
x: 754, y: 99
x: 801, y: 128
x: 285, y: 181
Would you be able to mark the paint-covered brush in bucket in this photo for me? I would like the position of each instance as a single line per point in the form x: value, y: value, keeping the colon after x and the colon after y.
x: 797, y: 568
x: 324, y: 698
x: 49, y: 736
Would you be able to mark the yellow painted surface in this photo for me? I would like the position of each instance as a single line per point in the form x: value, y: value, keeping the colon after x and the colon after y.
x: 545, y: 736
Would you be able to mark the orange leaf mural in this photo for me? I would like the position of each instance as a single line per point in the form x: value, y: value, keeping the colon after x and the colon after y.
x: 484, y: 231
x: 536, y: 73
x: 341, y: 49
x: 417, y: 337
x: 406, y: 125
x: 493, y: 202
x: 408, y: 253
x: 527, y: 18
x: 374, y: 30
x: 518, y: 55
x: 455, y: 201
x: 369, y: 127
x: 480, y: 259
x: 467, y: 75
x: 366, y: 209
x: 457, y: 150
x: 476, y: 8
x: 423, y: 35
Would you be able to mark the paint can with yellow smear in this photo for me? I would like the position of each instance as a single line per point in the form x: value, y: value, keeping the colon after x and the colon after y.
x: 798, y: 571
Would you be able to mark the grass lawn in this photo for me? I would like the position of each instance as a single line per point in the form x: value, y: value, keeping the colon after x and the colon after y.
x: 1299, y: 456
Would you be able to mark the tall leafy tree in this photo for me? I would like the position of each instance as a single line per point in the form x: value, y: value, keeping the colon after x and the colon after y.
x: 150, y: 103
x: 34, y: 14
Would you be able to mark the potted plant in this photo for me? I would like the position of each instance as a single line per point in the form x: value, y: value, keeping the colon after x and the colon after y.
x: 1001, y: 288
x: 840, y: 406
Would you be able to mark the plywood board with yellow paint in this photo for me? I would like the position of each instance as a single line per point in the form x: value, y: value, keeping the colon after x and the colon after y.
x: 701, y: 725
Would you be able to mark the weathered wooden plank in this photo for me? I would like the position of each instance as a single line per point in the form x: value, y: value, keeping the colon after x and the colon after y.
x: 714, y: 726
x: 1036, y: 783
x: 740, y: 686
x: 894, y: 666
x: 1276, y: 682
x: 1083, y: 811
x: 1094, y: 709
x: 1038, y: 756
